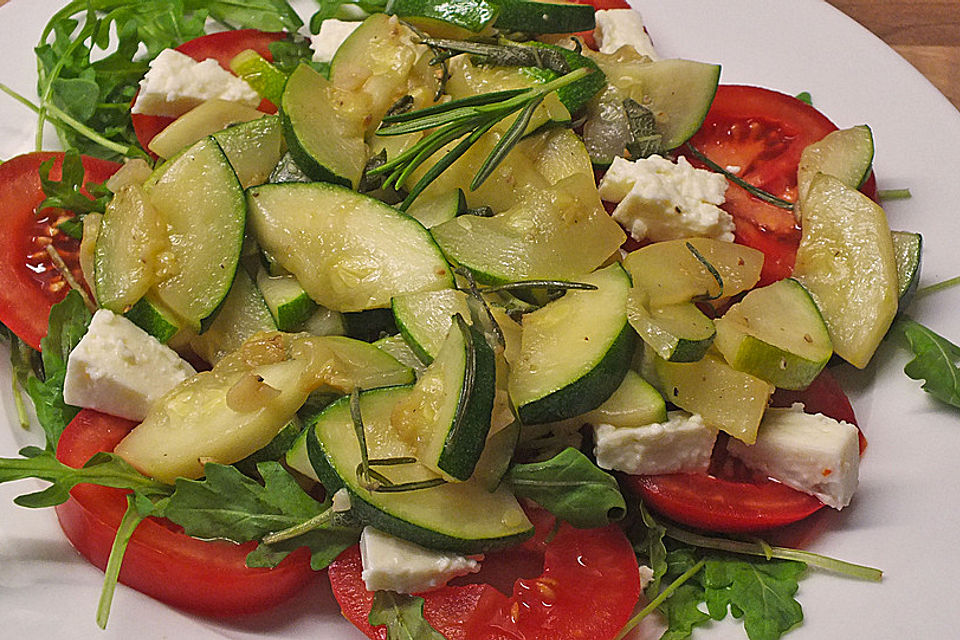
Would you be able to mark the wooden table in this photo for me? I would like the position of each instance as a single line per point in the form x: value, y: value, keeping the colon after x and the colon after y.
x: 925, y: 32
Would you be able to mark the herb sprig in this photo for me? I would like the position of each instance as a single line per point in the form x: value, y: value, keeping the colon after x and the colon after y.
x: 466, y: 119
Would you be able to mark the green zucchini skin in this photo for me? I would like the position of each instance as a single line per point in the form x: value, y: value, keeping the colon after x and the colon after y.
x: 583, y: 395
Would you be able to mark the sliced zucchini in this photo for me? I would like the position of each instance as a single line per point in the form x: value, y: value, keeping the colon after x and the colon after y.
x: 777, y: 334
x: 575, y: 351
x: 153, y: 317
x: 846, y: 154
x: 397, y: 347
x: 676, y: 332
x: 244, y: 313
x: 424, y: 319
x: 677, y: 92
x: 198, y: 123
x: 289, y: 304
x: 431, y: 211
x: 200, y: 199
x: 131, y: 237
x: 459, y: 516
x: 847, y: 263
x: 447, y: 414
x: 348, y: 251
x: 449, y: 16
x: 635, y: 403
x: 324, y: 322
x: 544, y: 17
x: 324, y: 142
x: 253, y: 148
x: 359, y: 364
x: 496, y: 456
x: 908, y: 252
x: 727, y: 399
x: 670, y: 272
x: 555, y: 233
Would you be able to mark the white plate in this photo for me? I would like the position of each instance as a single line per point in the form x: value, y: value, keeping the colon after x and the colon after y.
x: 904, y: 519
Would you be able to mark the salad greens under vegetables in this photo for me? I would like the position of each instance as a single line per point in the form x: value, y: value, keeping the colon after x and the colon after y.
x: 451, y: 403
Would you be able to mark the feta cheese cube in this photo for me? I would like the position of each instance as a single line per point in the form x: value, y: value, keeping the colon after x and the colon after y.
x: 176, y: 83
x: 623, y: 28
x: 682, y: 444
x: 392, y: 564
x: 659, y: 200
x: 332, y: 34
x: 812, y: 453
x: 120, y: 369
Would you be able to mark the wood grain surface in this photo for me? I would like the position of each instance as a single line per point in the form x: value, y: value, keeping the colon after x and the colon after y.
x: 925, y: 32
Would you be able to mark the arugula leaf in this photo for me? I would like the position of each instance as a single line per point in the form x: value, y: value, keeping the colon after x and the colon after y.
x: 227, y: 504
x: 935, y: 361
x: 66, y: 193
x: 67, y: 323
x: 647, y: 536
x: 761, y: 592
x: 103, y: 469
x: 403, y: 616
x: 24, y: 363
x: 682, y: 607
x: 571, y: 487
x: 265, y: 15
x: 231, y: 506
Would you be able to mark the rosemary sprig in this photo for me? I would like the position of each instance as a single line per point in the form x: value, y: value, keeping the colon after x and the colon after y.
x: 466, y: 119
x: 504, y: 55
x: 766, y: 196
x: 711, y: 269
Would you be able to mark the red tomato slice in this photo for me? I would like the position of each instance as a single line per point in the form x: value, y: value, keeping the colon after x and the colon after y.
x: 588, y: 588
x: 209, y: 578
x: 731, y: 499
x: 762, y: 134
x: 31, y: 284
x: 222, y: 47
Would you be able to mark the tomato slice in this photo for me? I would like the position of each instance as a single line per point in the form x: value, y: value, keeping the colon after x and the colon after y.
x: 31, y: 284
x: 729, y: 498
x: 222, y: 47
x: 588, y: 588
x: 209, y: 578
x: 759, y: 134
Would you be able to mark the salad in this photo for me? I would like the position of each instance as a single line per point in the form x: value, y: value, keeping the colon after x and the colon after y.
x: 531, y: 420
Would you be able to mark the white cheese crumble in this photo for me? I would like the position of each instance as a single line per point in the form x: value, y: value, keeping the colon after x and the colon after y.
x: 332, y: 34
x: 812, y: 453
x: 120, y: 369
x: 176, y: 83
x: 392, y: 564
x: 623, y: 28
x: 682, y: 444
x: 659, y: 200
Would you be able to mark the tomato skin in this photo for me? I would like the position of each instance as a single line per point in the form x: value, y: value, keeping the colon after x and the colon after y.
x: 28, y: 292
x: 222, y: 47
x: 762, y: 133
x: 209, y: 578
x: 588, y: 588
x: 725, y: 501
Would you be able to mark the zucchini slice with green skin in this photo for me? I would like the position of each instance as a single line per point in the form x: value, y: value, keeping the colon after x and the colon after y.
x: 635, y: 403
x: 397, y: 347
x: 677, y: 332
x: 243, y: 314
x: 777, y: 334
x: 847, y: 263
x: 324, y: 143
x: 846, y: 154
x: 424, y: 319
x: 575, y: 351
x: 544, y: 17
x: 908, y: 253
x: 150, y: 315
x: 448, y: 412
x: 253, y: 148
x: 432, y: 211
x: 463, y: 517
x: 199, y: 197
x: 348, y: 251
x: 289, y: 304
x: 472, y: 15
